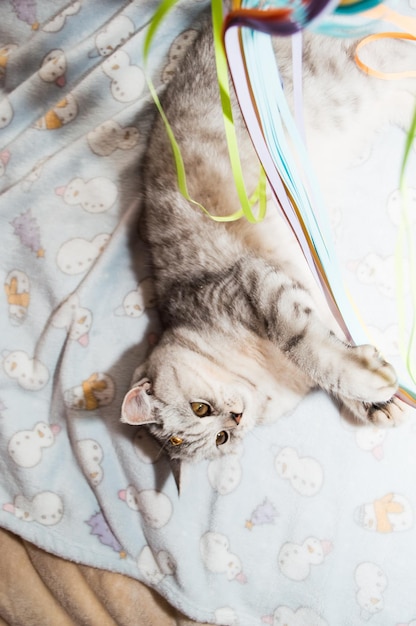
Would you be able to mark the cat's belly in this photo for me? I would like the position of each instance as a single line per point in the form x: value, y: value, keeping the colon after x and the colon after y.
x: 279, y: 393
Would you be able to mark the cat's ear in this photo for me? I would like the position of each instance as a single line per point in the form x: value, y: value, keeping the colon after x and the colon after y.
x: 137, y: 404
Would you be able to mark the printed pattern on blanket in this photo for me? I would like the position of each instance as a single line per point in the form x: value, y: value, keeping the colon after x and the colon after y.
x: 314, y: 523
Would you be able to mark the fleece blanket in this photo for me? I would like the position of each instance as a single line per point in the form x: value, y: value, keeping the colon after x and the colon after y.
x: 314, y: 523
x: 37, y: 587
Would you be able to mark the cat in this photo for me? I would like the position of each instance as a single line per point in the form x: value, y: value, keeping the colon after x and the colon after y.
x: 246, y: 332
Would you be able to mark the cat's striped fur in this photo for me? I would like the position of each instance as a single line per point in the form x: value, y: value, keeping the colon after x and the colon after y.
x: 246, y: 333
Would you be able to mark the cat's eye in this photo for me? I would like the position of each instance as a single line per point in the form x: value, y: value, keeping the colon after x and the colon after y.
x: 201, y: 409
x: 222, y: 438
x: 176, y: 441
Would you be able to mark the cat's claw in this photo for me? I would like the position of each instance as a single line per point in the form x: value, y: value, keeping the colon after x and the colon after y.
x: 381, y: 414
x: 388, y: 414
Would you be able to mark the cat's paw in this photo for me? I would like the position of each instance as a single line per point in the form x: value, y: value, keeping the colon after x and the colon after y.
x: 372, y: 380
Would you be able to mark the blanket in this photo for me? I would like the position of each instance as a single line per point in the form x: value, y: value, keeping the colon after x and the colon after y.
x: 40, y: 588
x: 314, y: 522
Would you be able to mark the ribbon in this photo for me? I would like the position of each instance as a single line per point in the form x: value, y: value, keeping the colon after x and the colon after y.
x: 404, y: 23
x: 406, y: 241
x: 294, y: 195
x: 375, y: 73
x: 406, y: 236
x: 289, y: 173
x: 259, y: 195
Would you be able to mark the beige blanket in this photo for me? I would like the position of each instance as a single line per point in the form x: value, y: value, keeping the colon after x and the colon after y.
x: 40, y: 589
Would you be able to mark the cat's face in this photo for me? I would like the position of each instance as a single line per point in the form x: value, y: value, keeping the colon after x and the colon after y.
x: 194, y: 407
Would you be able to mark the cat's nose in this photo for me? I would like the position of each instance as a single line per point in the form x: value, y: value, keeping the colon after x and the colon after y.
x: 237, y: 417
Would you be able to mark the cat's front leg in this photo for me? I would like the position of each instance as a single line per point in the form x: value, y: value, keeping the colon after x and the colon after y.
x: 356, y: 375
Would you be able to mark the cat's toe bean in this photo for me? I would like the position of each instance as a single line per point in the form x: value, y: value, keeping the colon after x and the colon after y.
x: 377, y: 380
x: 371, y: 358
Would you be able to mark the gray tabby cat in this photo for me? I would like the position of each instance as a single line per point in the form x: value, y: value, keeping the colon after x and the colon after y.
x: 246, y: 331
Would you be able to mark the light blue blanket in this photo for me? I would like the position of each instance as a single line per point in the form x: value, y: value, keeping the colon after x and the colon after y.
x: 314, y: 524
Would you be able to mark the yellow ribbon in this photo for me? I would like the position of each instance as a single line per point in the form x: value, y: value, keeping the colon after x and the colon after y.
x: 406, y: 239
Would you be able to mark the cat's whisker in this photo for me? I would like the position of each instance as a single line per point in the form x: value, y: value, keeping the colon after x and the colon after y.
x: 161, y: 450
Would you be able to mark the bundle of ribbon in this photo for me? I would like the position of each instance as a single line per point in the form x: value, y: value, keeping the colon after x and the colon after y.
x: 243, y: 48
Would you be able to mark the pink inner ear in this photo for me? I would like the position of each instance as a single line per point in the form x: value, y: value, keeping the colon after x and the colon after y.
x: 137, y: 406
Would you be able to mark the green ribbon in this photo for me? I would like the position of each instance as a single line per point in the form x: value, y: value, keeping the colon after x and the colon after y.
x: 259, y: 195
x: 406, y: 239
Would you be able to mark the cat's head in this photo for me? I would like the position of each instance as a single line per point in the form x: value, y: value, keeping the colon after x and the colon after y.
x: 190, y: 403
